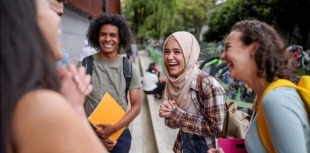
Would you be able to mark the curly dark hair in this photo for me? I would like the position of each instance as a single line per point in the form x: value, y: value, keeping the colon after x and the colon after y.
x: 270, y: 57
x: 125, y: 33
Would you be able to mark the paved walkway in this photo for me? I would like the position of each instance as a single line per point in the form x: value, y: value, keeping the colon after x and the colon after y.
x: 149, y: 132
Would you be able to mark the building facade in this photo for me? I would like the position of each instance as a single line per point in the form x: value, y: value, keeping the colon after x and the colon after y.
x: 76, y: 19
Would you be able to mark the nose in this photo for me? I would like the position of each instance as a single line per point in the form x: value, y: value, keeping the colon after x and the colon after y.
x: 222, y: 56
x: 107, y: 38
x: 170, y: 55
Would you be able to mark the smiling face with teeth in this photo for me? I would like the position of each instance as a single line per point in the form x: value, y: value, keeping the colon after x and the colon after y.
x: 239, y: 57
x: 174, y: 58
x: 109, y: 39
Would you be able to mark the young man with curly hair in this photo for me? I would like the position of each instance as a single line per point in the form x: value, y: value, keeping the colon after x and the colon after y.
x: 108, y: 33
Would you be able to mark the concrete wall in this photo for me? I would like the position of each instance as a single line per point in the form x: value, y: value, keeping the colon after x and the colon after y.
x: 74, y: 26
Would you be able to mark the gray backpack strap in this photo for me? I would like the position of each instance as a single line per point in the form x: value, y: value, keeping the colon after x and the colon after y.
x: 127, y: 70
x: 87, y: 62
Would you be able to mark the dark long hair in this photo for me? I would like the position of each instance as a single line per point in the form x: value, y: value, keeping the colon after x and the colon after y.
x: 27, y: 62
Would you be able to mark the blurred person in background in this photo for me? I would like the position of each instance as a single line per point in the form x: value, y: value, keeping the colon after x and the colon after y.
x: 152, y: 82
x: 87, y: 50
x: 133, y: 51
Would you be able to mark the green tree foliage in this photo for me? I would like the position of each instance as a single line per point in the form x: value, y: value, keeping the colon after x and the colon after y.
x: 288, y: 16
x: 221, y: 19
x: 192, y: 15
x: 150, y: 18
x: 157, y: 19
x: 292, y: 17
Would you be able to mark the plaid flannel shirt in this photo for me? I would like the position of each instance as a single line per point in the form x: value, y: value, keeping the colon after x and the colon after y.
x: 209, y: 120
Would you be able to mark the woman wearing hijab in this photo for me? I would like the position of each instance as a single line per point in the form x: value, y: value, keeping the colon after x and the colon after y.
x: 199, y: 119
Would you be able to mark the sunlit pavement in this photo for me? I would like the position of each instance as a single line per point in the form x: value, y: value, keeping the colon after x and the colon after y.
x: 149, y: 132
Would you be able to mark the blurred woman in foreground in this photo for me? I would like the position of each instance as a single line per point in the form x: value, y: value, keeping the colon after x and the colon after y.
x: 41, y: 107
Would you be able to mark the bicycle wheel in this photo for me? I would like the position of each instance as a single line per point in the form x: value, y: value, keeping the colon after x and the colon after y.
x: 203, y: 56
x: 234, y: 89
x: 220, y: 73
x: 305, y: 60
x: 209, y: 64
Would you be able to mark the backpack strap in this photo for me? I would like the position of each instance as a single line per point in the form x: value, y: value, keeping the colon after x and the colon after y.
x: 304, y: 82
x: 87, y: 62
x: 127, y: 71
x: 304, y: 90
x: 200, y: 88
x: 262, y: 125
x: 201, y: 94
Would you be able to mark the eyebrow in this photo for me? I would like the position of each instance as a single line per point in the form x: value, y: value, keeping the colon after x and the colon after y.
x: 226, y: 43
x: 173, y: 49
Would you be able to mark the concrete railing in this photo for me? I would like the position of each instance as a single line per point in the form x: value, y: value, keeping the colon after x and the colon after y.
x: 164, y: 136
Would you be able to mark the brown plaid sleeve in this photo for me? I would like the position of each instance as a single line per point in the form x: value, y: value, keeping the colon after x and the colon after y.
x: 212, y: 108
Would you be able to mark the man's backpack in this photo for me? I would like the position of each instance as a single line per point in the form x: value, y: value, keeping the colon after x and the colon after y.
x: 236, y: 122
x: 87, y: 62
x: 303, y: 88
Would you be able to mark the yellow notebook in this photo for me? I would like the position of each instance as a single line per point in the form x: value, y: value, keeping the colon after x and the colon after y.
x: 110, y: 112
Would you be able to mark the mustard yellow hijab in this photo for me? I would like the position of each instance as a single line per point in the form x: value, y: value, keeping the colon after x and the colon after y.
x: 178, y: 89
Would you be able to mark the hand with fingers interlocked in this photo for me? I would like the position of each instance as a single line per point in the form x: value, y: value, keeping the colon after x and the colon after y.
x: 75, y: 85
x: 166, y: 108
